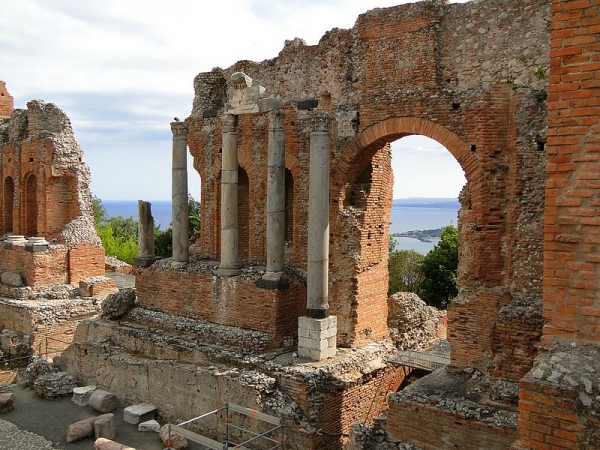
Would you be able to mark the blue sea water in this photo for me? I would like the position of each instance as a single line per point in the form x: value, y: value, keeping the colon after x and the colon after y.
x: 406, y: 215
x: 161, y: 210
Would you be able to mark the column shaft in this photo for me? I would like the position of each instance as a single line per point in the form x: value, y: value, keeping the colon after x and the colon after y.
x: 229, y: 198
x: 276, y: 196
x: 179, y: 192
x: 317, y: 303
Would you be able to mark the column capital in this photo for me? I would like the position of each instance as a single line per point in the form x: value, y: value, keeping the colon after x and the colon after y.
x: 229, y: 121
x: 320, y: 120
x: 179, y: 130
x: 276, y: 119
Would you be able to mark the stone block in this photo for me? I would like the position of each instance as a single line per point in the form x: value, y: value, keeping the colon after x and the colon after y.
x: 80, y: 430
x: 107, y: 444
x: 269, y: 104
x: 149, y: 426
x: 177, y: 441
x: 317, y: 337
x: 81, y: 395
x: 135, y: 414
x: 12, y: 279
x: 104, y: 426
x: 7, y: 402
x: 103, y: 401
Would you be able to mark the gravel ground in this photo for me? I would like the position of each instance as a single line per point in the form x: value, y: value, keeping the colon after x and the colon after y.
x: 11, y: 437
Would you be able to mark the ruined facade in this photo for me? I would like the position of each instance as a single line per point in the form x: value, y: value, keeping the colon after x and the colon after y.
x: 51, y: 258
x: 472, y: 76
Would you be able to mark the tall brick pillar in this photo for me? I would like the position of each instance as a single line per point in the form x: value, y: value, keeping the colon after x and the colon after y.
x: 317, y: 330
x: 229, y: 198
x: 275, y: 197
x: 181, y: 246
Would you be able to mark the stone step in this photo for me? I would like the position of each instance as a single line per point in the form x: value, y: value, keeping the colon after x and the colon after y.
x: 200, y: 332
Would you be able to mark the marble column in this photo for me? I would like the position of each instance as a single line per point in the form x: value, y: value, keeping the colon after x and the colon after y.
x: 275, y: 197
x: 229, y: 264
x: 179, y: 193
x: 317, y: 330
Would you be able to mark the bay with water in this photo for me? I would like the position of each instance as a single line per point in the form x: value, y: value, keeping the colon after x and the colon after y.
x: 407, y: 215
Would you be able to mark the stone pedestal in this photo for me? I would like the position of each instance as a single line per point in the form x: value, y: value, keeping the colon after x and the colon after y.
x: 180, y: 213
x: 275, y: 197
x: 317, y: 337
x: 229, y: 199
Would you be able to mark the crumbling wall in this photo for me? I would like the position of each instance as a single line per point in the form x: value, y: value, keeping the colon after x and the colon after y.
x: 45, y: 183
x: 239, y: 301
x: 472, y: 77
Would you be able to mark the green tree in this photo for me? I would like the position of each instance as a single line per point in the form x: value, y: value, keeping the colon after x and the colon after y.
x: 100, y: 214
x: 439, y: 269
x: 163, y: 240
x: 404, y: 268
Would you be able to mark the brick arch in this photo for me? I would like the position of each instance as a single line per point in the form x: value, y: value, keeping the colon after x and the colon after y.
x: 362, y: 148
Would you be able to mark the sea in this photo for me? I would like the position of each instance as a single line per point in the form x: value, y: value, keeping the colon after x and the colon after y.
x: 407, y: 214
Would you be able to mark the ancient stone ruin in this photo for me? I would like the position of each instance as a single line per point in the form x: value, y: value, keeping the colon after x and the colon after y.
x: 281, y: 305
x: 51, y: 258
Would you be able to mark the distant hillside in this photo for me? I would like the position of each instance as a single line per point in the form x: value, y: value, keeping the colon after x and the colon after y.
x: 422, y: 202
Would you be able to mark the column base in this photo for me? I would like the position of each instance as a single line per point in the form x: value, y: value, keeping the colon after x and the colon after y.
x: 317, y: 337
x: 144, y: 261
x: 273, y: 281
x: 228, y: 271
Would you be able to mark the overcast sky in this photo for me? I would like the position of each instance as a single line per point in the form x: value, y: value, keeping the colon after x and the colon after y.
x: 122, y: 70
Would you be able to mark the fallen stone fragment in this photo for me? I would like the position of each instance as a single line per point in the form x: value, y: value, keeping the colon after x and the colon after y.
x: 12, y: 279
x: 177, y: 441
x: 149, y: 426
x: 135, y: 414
x: 53, y: 385
x: 80, y: 430
x: 81, y: 395
x: 117, y: 304
x: 107, y: 444
x: 104, y: 426
x: 103, y: 401
x: 36, y: 368
x: 7, y: 402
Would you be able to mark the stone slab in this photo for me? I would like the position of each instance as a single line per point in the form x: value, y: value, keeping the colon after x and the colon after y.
x: 135, y: 414
x: 81, y: 395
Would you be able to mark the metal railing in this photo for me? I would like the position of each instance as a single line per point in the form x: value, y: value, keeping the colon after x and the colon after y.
x: 274, y: 424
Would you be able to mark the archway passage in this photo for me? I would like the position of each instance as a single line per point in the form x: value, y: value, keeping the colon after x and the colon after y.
x: 8, y: 204
x: 31, y: 205
x: 362, y: 202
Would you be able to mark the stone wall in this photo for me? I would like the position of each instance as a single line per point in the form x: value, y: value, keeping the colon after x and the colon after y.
x: 198, y: 293
x: 471, y: 76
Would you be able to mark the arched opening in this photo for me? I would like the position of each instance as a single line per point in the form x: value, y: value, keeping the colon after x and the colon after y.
x: 363, y: 181
x: 8, y: 204
x: 30, y: 205
x: 243, y: 214
x: 289, y: 207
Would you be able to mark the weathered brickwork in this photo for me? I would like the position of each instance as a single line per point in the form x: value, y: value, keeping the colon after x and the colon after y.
x: 558, y: 397
x: 471, y: 76
x: 236, y: 301
x: 36, y: 268
x: 6, y: 101
x: 433, y: 429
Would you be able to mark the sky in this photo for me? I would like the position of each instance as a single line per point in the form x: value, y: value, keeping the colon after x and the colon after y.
x: 122, y: 70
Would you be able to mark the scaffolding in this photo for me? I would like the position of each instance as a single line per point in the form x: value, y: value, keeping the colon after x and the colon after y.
x: 273, y: 424
x: 430, y: 359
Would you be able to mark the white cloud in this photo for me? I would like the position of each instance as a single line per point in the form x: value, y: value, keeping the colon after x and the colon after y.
x: 122, y: 70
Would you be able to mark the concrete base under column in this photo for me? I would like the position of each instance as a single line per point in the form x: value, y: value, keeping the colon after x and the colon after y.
x: 317, y: 337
